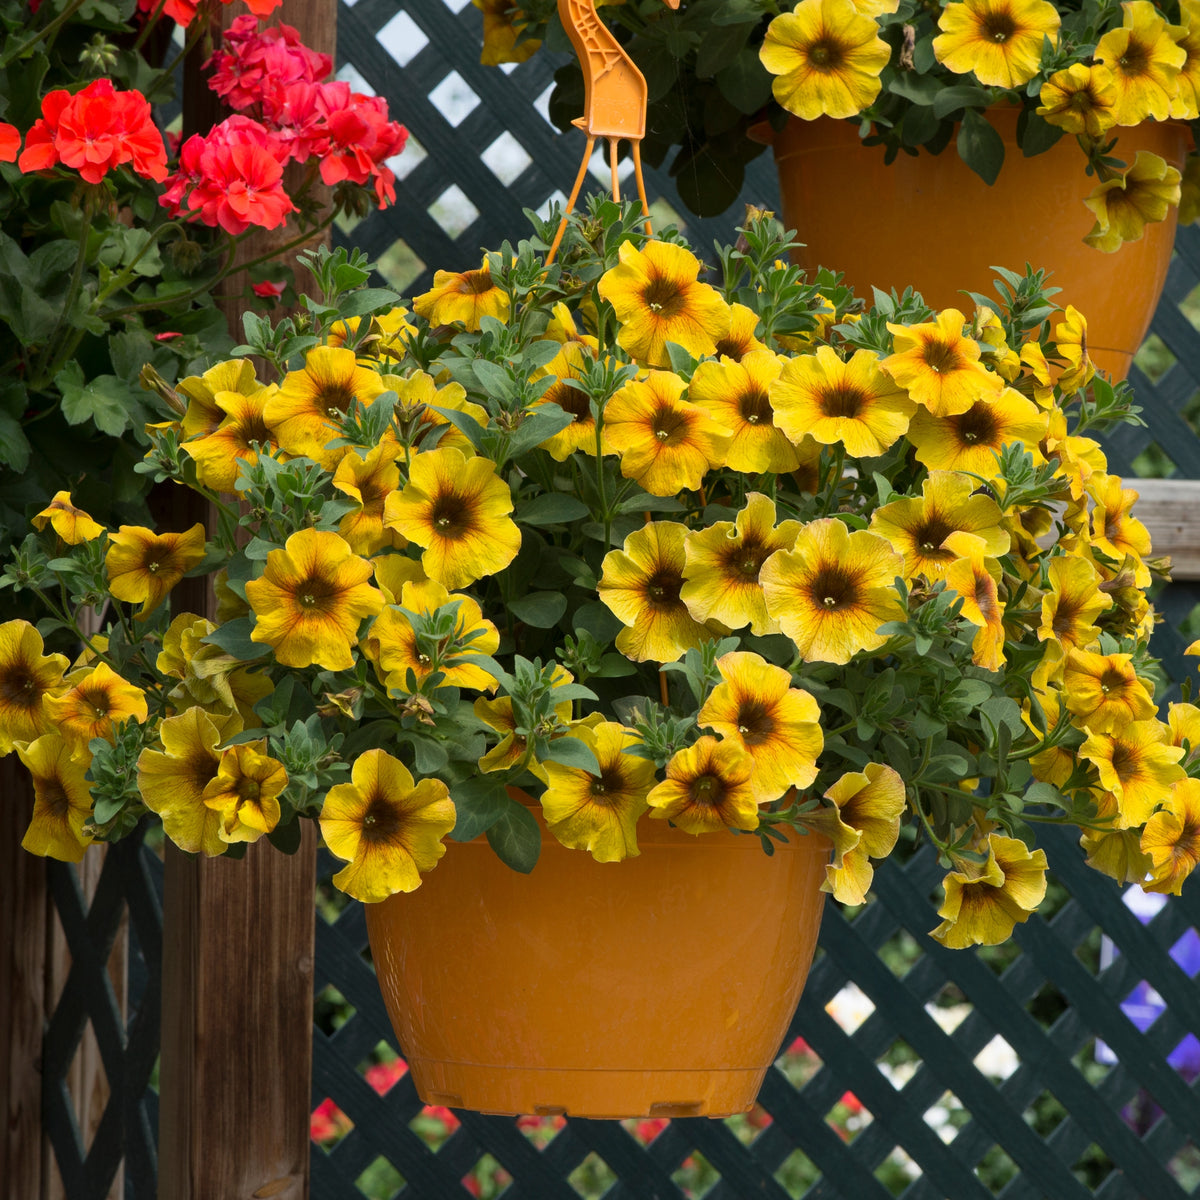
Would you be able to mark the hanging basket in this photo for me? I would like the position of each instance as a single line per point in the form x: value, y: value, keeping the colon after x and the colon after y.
x: 662, y: 985
x: 930, y: 222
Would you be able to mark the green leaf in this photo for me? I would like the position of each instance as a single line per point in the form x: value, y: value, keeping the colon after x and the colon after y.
x: 920, y: 89
x: 551, y: 508
x: 494, y: 379
x: 1003, y: 710
x: 14, y: 445
x: 571, y: 752
x: 429, y: 756
x: 234, y: 638
x: 1045, y: 793
x: 744, y: 83
x: 479, y: 803
x: 950, y: 100
x: 286, y: 837
x: 542, y: 610
x: 515, y: 837
x: 537, y: 427
x: 1035, y: 135
x: 367, y: 300
x: 464, y: 423
x: 980, y: 146
x: 106, y: 401
x: 721, y: 45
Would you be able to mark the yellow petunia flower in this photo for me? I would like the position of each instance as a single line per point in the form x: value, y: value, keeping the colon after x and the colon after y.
x: 27, y: 677
x: 502, y: 24
x: 740, y: 340
x: 722, y: 564
x: 641, y: 584
x: 834, y: 402
x: 1124, y: 206
x: 219, y: 454
x: 311, y: 599
x: 1103, y: 692
x: 1115, y: 530
x: 1183, y: 720
x: 833, y: 590
x: 974, y: 577
x: 599, y: 813
x: 707, y: 788
x: 62, y: 800
x: 511, y: 749
x: 71, y: 524
x: 665, y: 442
x: 969, y: 441
x: 756, y: 707
x: 204, y: 414
x: 657, y: 297
x: 417, y: 397
x: 1137, y: 764
x: 1172, y: 838
x: 999, y: 40
x: 95, y: 699
x: 387, y: 828
x: 569, y: 363
x: 1185, y: 105
x: 388, y: 334
x: 143, y: 566
x: 368, y: 479
x: 1080, y: 99
x: 1070, y: 343
x: 463, y: 297
x: 1074, y: 601
x: 985, y: 901
x: 1114, y: 851
x: 1144, y: 61
x: 939, y: 367
x: 393, y: 571
x: 827, y: 58
x: 244, y: 793
x: 457, y: 509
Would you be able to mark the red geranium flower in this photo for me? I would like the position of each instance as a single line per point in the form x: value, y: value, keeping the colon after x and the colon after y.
x: 252, y: 62
x: 267, y: 290
x: 361, y: 139
x: 10, y: 142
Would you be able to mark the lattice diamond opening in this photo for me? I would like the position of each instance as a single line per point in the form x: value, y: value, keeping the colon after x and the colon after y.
x: 403, y: 38
x: 454, y: 98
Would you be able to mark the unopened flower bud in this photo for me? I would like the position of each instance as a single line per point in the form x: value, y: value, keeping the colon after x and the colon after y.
x: 152, y: 381
x: 99, y: 56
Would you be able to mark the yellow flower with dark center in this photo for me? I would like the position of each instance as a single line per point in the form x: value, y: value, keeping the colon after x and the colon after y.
x: 999, y: 40
x: 1070, y: 343
x: 95, y: 699
x: 311, y: 599
x: 1125, y: 205
x: 392, y: 641
x: 1183, y: 720
x: 975, y: 576
x: 665, y: 442
x: 1115, y: 530
x: 511, y: 749
x: 368, y: 480
x: 387, y: 336
x: 833, y: 590
x: 1138, y: 764
x: 419, y: 395
x: 386, y: 827
x: 1103, y: 691
x: 503, y: 21
x: 722, y: 564
x: 756, y: 707
x: 393, y: 571
x: 740, y: 340
x: 463, y: 297
x: 172, y: 781
x: 969, y: 441
x: 27, y: 677
x: 827, y: 58
x: 1114, y: 851
x: 1172, y: 838
x: 457, y: 509
x: 209, y: 677
x: 143, y: 566
x: 939, y: 367
x: 1185, y: 105
x: 641, y: 583
x: 204, y: 414
x: 220, y: 453
x: 1079, y: 458
x: 834, y: 402
x: 984, y: 901
x: 1074, y: 601
x: 918, y: 528
x: 244, y: 793
x: 71, y: 524
x: 707, y: 788
x: 569, y: 363
x: 1144, y: 61
x: 599, y: 813
x: 736, y: 395
x: 657, y: 297
x: 1080, y: 99
x: 304, y: 411
x: 62, y: 799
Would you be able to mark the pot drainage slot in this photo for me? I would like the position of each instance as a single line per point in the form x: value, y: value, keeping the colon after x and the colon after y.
x: 445, y: 1099
x: 549, y: 1110
x: 682, y: 1108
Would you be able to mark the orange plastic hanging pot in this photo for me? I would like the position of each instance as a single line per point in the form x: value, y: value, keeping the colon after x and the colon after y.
x: 658, y: 986
x: 930, y: 222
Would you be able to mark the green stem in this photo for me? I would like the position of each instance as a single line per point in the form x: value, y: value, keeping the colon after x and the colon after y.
x: 53, y: 351
x: 19, y: 50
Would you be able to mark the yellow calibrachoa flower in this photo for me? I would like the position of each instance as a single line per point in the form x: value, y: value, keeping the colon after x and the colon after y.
x: 393, y: 571
x: 833, y: 590
x: 665, y: 442
x: 498, y: 714
x: 985, y: 901
x: 387, y: 335
x: 244, y: 793
x: 27, y: 677
x: 969, y: 441
x: 311, y: 599
x: 1137, y: 764
x: 756, y: 707
x: 204, y: 414
x: 641, y: 583
x: 1070, y: 342
x: 1125, y: 205
x: 918, y: 528
x: 827, y: 58
x: 722, y: 564
x: 387, y: 828
x: 999, y: 40
x: 1172, y: 838
x: 368, y: 480
x: 599, y: 813
x: 974, y: 576
x: 852, y: 403
x: 94, y: 700
x: 736, y: 395
x: 62, y: 799
x: 1185, y: 105
x: 939, y: 367
x: 740, y: 340
x: 1074, y: 601
x: 457, y: 509
x: 1111, y: 849
x: 1144, y: 61
x: 310, y: 402
x: 143, y: 566
x: 418, y: 396
x: 71, y: 524
x: 1183, y: 720
x: 463, y: 297
x: 657, y: 297
x: 570, y: 363
x: 220, y: 453
x: 1080, y: 99
x: 1115, y: 530
x: 502, y: 25
x: 1103, y: 692
x: 708, y: 787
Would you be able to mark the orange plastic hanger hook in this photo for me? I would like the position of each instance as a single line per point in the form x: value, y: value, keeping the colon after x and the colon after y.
x: 614, y: 101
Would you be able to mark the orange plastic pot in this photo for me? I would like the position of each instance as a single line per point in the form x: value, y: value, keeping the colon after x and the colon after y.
x: 932, y: 223
x: 658, y: 986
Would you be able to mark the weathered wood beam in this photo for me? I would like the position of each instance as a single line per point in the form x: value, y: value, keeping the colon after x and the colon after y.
x: 1170, y: 510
